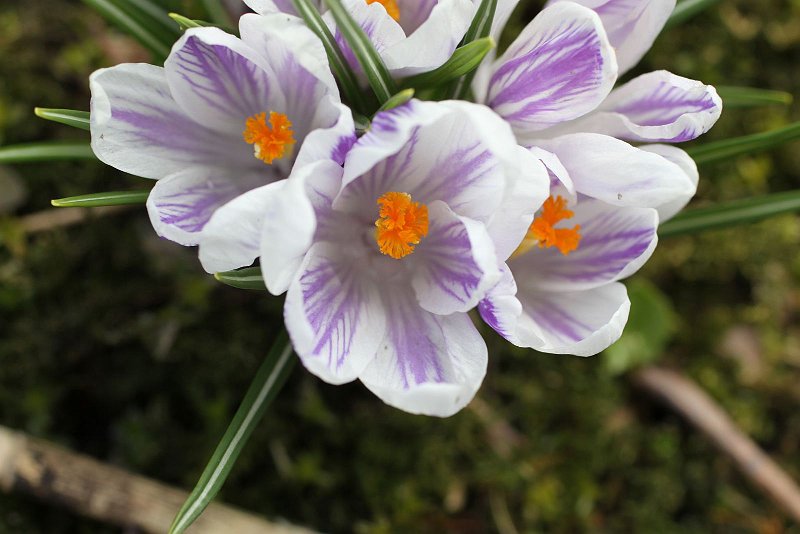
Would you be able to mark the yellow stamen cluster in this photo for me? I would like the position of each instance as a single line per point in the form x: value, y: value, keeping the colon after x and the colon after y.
x: 402, y: 223
x: 543, y: 232
x: 270, y: 141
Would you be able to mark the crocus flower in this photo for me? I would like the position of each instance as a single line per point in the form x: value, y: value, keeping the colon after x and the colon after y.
x: 383, y: 258
x: 223, y: 116
x: 412, y: 36
x: 557, y: 76
x: 560, y: 291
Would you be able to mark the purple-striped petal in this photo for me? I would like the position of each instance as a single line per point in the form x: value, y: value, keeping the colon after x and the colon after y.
x: 456, y: 152
x: 657, y: 107
x: 617, y: 173
x: 219, y: 81
x: 334, y: 315
x: 426, y: 364
x: 413, y: 13
x: 615, y: 243
x: 632, y: 25
x: 455, y: 264
x: 138, y: 128
x: 501, y: 309
x: 559, y: 68
x: 581, y: 323
x: 181, y: 204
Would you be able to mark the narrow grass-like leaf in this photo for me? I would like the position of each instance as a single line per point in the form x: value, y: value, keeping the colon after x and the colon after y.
x: 749, y: 144
x: 70, y: 117
x: 731, y: 214
x: 397, y: 100
x: 47, y: 151
x: 148, y: 12
x: 158, y: 45
x: 184, y: 23
x: 688, y: 9
x: 480, y: 27
x: 380, y: 80
x: 217, y: 13
x: 463, y: 61
x: 348, y: 81
x: 748, y: 97
x: 248, y: 278
x: 107, y: 198
x: 265, y: 386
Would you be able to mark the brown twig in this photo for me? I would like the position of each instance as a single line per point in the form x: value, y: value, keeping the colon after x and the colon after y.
x: 695, y: 405
x: 51, y: 219
x: 110, y: 494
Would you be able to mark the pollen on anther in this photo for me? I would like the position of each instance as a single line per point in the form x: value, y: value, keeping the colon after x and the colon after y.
x: 401, y: 224
x: 390, y: 6
x: 270, y: 141
x: 543, y: 232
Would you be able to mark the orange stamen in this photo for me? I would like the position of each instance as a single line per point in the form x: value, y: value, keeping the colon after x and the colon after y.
x: 401, y: 225
x: 390, y: 6
x: 268, y: 143
x: 543, y: 232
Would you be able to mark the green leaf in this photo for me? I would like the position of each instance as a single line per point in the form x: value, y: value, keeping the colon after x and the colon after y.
x: 463, y: 61
x: 650, y: 328
x: 377, y: 74
x: 688, y: 9
x: 348, y: 81
x: 397, y: 100
x: 749, y: 144
x: 480, y: 28
x: 184, y: 23
x: 70, y: 117
x: 747, y: 97
x: 150, y: 13
x: 731, y: 214
x: 146, y: 34
x: 46, y: 151
x: 217, y: 13
x: 265, y: 386
x: 108, y: 198
x: 248, y: 278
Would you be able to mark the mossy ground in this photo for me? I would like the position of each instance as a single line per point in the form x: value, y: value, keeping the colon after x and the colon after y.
x: 117, y: 345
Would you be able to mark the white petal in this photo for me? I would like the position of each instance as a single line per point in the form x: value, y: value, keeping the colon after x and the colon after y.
x: 632, y: 25
x: 433, y: 42
x: 334, y: 315
x: 617, y: 173
x: 181, y: 204
x: 219, y: 81
x: 292, y: 218
x: 581, y: 323
x: 426, y: 364
x: 560, y: 67
x: 455, y: 264
x: 501, y: 309
x: 137, y: 126
x: 687, y: 164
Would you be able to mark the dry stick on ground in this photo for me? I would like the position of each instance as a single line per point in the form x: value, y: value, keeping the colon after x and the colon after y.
x: 110, y: 494
x: 695, y: 405
x: 51, y: 219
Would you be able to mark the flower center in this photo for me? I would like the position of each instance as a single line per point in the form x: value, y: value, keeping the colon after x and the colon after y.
x: 543, y: 232
x: 270, y: 141
x: 401, y: 224
x: 390, y: 6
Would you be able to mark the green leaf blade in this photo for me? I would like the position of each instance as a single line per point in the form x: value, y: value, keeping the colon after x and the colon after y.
x: 463, y: 61
x: 747, y: 97
x: 108, y: 198
x: 157, y: 44
x: 381, y: 81
x: 731, y: 214
x: 249, y: 278
x: 480, y: 28
x: 265, y: 386
x: 70, y: 117
x: 739, y: 146
x: 46, y: 151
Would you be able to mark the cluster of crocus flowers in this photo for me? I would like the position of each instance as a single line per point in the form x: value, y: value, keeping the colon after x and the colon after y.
x: 528, y: 205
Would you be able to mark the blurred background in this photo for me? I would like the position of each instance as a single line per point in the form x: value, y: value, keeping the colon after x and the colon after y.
x: 116, y: 344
